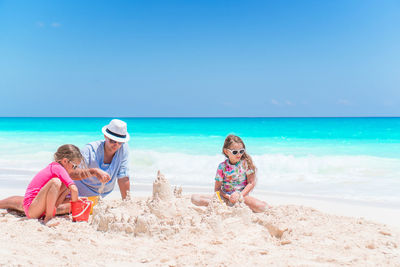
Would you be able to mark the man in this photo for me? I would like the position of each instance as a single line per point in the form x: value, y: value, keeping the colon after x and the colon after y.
x: 106, y: 162
x: 111, y: 156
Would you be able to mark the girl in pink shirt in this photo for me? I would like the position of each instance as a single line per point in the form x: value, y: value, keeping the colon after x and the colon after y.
x: 51, y: 185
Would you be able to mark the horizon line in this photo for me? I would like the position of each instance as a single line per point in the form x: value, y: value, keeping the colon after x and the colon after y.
x: 198, y: 117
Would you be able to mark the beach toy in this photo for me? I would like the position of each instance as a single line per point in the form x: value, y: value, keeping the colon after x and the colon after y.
x: 80, y: 210
x: 94, y: 199
x: 219, y: 196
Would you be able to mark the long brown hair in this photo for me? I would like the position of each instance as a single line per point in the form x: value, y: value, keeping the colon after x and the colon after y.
x: 229, y: 140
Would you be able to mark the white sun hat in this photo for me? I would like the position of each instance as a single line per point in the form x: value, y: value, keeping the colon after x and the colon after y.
x: 117, y: 131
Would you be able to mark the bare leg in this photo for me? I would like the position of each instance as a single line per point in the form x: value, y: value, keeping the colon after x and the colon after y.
x: 63, y: 208
x: 45, y: 200
x: 13, y: 203
x: 63, y: 193
x: 255, y: 204
x: 17, y: 203
x: 201, y: 200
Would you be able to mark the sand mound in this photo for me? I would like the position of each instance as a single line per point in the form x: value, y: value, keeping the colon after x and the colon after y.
x: 166, y: 214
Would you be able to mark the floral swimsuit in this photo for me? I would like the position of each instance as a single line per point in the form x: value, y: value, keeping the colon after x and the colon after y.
x: 232, y: 176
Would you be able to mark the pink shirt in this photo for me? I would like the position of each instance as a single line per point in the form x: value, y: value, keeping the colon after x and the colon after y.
x: 53, y: 170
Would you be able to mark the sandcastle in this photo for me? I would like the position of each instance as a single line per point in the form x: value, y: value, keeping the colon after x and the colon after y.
x: 167, y: 213
x: 155, y: 216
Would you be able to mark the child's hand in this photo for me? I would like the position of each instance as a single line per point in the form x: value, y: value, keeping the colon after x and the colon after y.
x: 233, y: 198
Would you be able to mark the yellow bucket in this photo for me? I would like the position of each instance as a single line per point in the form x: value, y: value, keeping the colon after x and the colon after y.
x: 94, y: 199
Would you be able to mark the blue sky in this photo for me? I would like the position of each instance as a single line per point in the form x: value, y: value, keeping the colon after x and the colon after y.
x: 200, y: 58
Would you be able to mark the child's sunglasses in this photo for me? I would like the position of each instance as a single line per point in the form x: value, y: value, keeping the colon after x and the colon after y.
x: 234, y: 152
x: 74, y: 166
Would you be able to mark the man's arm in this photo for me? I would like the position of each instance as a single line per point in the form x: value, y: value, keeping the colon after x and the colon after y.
x: 124, y: 186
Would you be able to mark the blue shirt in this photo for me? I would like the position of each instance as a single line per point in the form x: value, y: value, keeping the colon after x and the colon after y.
x: 93, y: 153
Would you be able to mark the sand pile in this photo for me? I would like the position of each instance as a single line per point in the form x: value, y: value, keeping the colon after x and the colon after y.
x: 166, y: 213
x: 166, y: 229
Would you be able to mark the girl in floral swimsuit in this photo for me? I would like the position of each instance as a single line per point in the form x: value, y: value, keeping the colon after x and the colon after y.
x: 235, y: 177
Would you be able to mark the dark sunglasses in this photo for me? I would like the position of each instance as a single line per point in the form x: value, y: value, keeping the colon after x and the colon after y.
x: 114, y: 142
x: 234, y: 152
x: 74, y: 166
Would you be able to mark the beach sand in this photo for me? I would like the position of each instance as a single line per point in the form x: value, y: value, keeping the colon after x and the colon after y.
x: 165, y: 229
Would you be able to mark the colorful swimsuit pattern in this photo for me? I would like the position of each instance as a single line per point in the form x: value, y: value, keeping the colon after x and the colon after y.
x: 232, y: 176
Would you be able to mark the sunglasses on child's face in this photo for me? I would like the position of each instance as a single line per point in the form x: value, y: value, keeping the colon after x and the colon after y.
x: 74, y: 166
x: 234, y: 152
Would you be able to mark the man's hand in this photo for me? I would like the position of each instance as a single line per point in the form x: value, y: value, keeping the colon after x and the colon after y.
x: 102, y: 176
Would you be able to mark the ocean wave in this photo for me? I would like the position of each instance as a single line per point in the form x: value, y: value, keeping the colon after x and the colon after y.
x: 355, y: 177
x: 346, y: 176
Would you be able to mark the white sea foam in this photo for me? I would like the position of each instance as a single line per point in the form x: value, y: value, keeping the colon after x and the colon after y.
x: 351, y: 177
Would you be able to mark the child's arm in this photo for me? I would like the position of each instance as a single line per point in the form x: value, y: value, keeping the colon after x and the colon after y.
x: 80, y: 174
x: 237, y: 196
x: 74, y: 192
x: 217, y: 187
x: 251, y: 183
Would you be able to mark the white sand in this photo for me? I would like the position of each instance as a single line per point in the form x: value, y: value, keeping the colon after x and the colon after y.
x: 165, y: 229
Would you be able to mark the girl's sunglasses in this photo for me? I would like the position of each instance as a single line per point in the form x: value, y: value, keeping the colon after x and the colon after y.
x: 74, y: 166
x: 234, y: 152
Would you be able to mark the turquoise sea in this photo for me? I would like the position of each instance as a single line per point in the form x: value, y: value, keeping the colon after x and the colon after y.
x: 343, y: 158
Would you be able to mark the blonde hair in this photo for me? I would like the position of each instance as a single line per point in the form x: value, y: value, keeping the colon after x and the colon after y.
x: 69, y: 152
x: 229, y: 140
